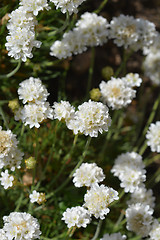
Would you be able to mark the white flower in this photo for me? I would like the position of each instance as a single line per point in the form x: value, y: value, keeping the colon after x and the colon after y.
x: 22, y: 226
x: 144, y: 196
x: 76, y: 216
x: 87, y: 175
x: 34, y: 196
x: 129, y: 168
x: 32, y: 90
x: 91, y: 118
x: 116, y: 94
x: 155, y: 231
x: 3, y: 235
x: 67, y: 5
x: 132, y: 80
x: 90, y: 30
x: 33, y: 114
x: 21, y: 38
x: 13, y: 160
x: 98, y: 198
x: 34, y: 6
x: 139, y: 219
x: 153, y: 136
x: 114, y: 236
x: 63, y: 111
x: 132, y: 33
x: 6, y: 179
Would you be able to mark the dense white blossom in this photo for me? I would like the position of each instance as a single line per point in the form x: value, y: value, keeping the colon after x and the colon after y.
x: 144, y: 196
x: 153, y: 136
x: 63, y: 111
x: 3, y: 235
x: 116, y: 93
x: 32, y: 90
x: 132, y: 33
x: 113, y: 236
x: 21, y: 225
x: 76, y: 216
x: 91, y: 118
x: 139, y: 219
x: 33, y: 114
x: 155, y: 231
x: 132, y: 80
x: 68, y: 5
x: 87, y: 175
x: 34, y: 6
x: 129, y: 168
x: 98, y: 198
x: 21, y: 38
x: 90, y: 30
x: 10, y: 155
x: 6, y: 179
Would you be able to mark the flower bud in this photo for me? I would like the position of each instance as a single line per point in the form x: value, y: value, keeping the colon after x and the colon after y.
x: 13, y: 105
x: 41, y: 198
x: 107, y: 72
x: 95, y: 94
x: 30, y: 162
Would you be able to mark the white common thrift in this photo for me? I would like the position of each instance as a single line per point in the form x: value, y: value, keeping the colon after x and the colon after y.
x: 32, y: 90
x: 90, y: 30
x: 76, y: 216
x: 153, y: 136
x: 3, y: 235
x: 87, y: 175
x: 10, y: 155
x: 68, y: 5
x: 155, y: 231
x: 139, y: 219
x: 129, y: 168
x: 21, y: 225
x: 144, y: 196
x: 91, y: 118
x: 132, y: 33
x: 34, y: 6
x: 98, y: 198
x: 6, y: 179
x: 132, y: 80
x: 116, y: 93
x: 33, y: 114
x: 34, y: 196
x: 21, y: 38
x: 63, y: 111
x: 114, y: 236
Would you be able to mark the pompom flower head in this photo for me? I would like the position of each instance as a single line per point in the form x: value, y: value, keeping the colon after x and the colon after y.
x: 87, y: 175
x: 153, y: 137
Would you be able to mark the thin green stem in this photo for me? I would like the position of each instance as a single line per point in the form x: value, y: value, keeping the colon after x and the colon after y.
x: 102, y: 5
x: 98, y: 229
x: 3, y: 117
x: 122, y: 67
x: 13, y: 72
x: 19, y: 202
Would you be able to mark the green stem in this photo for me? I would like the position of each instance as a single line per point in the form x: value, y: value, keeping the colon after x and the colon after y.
x: 97, y: 230
x: 102, y: 5
x: 19, y: 202
x: 91, y: 71
x: 3, y: 117
x: 13, y: 72
x: 122, y: 67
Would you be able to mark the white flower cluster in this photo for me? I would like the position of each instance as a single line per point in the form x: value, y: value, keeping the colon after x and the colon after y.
x: 20, y: 225
x: 155, y: 231
x: 90, y: 30
x: 132, y: 33
x: 96, y: 200
x: 114, y: 236
x: 6, y: 179
x: 87, y: 175
x: 129, y: 168
x: 34, y: 6
x: 151, y: 63
x: 139, y: 219
x: 153, y: 136
x: 37, y: 197
x: 91, y: 117
x: 10, y: 155
x: 33, y: 92
x: 68, y: 5
x: 118, y: 92
x: 21, y: 37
